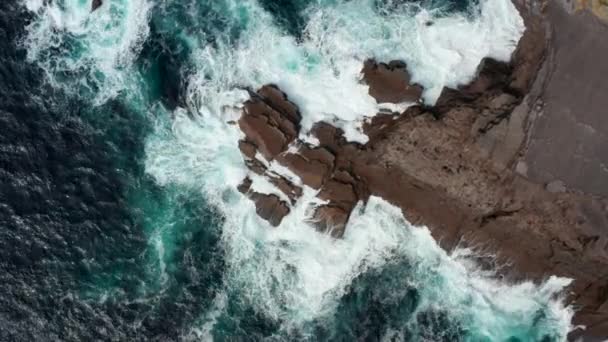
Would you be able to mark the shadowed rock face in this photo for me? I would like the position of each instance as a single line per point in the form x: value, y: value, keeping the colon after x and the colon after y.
x: 96, y: 4
x: 450, y: 167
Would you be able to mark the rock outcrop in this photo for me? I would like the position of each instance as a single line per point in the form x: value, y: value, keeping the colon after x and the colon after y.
x: 390, y: 83
x: 270, y: 123
x: 452, y: 167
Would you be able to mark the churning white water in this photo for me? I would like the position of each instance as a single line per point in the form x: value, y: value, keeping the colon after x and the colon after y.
x: 293, y: 273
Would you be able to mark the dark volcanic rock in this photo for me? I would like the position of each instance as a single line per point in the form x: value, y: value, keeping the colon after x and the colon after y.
x: 390, y: 82
x: 96, y: 4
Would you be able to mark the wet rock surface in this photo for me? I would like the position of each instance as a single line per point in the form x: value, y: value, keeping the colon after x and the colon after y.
x: 270, y: 123
x: 455, y: 167
x: 95, y: 4
x: 390, y: 83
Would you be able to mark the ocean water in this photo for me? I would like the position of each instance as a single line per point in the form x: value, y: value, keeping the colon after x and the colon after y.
x: 119, y: 214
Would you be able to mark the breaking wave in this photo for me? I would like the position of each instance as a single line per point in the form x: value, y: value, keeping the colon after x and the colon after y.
x: 183, y: 67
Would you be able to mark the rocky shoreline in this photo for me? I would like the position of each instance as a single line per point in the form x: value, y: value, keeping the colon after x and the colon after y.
x: 457, y: 167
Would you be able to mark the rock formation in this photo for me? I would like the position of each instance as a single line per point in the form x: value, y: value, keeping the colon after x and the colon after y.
x: 270, y: 123
x: 452, y: 167
x: 390, y: 82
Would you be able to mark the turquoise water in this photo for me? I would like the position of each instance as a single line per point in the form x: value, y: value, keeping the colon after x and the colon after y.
x: 173, y: 251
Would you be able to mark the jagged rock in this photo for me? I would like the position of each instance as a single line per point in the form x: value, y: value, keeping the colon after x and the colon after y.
x: 331, y: 219
x: 339, y: 194
x: 491, y: 79
x: 247, y: 149
x: 528, y: 56
x: 435, y: 169
x: 256, y: 166
x: 270, y: 123
x: 288, y: 188
x: 312, y: 172
x: 96, y: 4
x: 245, y: 186
x: 259, y: 107
x: 269, y: 140
x: 319, y: 154
x: 390, y: 82
x: 278, y: 100
x: 329, y: 136
x: 270, y: 208
x: 344, y: 176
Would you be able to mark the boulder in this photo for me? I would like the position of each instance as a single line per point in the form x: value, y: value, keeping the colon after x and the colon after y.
x: 96, y: 4
x: 390, y: 83
x: 244, y: 186
x: 247, y: 149
x: 278, y: 100
x: 312, y: 172
x: 331, y: 219
x: 268, y: 138
x: 339, y: 194
x: 270, y: 208
x: 288, y: 188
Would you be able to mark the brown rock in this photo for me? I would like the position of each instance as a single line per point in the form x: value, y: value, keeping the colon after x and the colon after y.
x: 529, y: 55
x: 344, y: 176
x: 245, y: 186
x: 269, y: 139
x: 256, y: 166
x: 279, y: 101
x: 319, y: 154
x: 258, y: 107
x: 270, y: 208
x: 312, y: 172
x: 247, y: 149
x: 390, y: 82
x: 292, y: 191
x: 329, y: 136
x: 337, y: 193
x: 331, y: 219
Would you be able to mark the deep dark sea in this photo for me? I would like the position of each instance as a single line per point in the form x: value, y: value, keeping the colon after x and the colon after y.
x: 119, y: 215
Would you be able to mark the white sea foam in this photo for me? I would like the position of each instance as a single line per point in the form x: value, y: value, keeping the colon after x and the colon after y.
x: 294, y: 273
x: 87, y: 53
x: 321, y: 74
